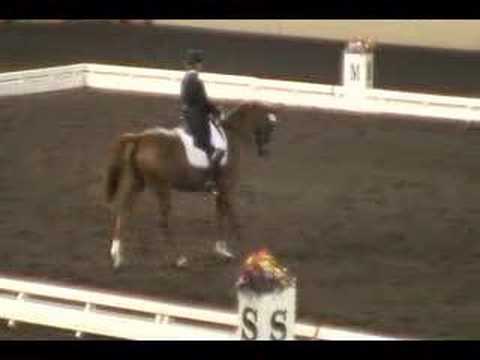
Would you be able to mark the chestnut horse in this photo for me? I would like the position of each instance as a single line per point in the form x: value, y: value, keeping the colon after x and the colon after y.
x: 156, y: 159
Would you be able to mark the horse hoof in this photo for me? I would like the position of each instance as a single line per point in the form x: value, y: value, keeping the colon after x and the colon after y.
x: 182, y: 262
x: 116, y: 263
x: 222, y: 251
x: 116, y: 254
x: 227, y: 256
x: 117, y: 260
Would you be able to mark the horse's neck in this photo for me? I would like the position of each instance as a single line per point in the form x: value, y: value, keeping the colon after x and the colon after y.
x: 236, y: 120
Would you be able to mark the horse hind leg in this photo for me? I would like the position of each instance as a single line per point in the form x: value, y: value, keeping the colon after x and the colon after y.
x: 115, y: 248
x: 123, y: 212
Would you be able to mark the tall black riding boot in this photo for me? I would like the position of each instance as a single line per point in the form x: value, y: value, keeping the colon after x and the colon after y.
x: 214, y: 157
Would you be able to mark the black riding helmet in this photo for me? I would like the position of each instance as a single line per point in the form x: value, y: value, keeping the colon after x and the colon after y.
x: 194, y: 56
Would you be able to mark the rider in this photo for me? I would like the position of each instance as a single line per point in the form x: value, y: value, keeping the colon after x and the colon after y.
x: 195, y: 111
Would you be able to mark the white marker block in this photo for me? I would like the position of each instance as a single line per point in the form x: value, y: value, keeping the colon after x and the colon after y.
x: 267, y: 316
x: 357, y: 69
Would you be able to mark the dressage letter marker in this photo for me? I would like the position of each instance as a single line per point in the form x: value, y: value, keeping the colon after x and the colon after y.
x: 268, y: 316
x: 266, y: 300
x: 358, y: 66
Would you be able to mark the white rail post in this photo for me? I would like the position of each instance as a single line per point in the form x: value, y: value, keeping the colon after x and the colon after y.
x: 267, y: 313
x: 12, y: 323
x: 88, y: 308
x: 358, y: 67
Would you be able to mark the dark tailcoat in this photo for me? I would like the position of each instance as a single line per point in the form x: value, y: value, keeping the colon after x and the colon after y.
x: 196, y: 108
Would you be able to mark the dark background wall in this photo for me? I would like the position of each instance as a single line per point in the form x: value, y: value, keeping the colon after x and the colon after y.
x: 27, y: 45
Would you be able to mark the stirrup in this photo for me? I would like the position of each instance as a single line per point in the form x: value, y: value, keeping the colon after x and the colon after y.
x: 222, y: 250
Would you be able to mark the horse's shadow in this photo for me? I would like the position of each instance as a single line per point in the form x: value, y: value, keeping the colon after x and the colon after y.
x: 166, y: 264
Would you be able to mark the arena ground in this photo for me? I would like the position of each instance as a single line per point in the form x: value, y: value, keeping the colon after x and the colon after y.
x: 377, y: 216
x: 379, y: 223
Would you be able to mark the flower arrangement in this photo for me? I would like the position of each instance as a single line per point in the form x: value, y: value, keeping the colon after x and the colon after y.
x: 261, y: 273
x: 359, y: 45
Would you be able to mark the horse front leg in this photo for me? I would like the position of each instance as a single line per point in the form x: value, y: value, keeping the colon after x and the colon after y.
x: 227, y: 225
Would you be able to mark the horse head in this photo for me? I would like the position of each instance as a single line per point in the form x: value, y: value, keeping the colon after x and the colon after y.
x: 255, y: 122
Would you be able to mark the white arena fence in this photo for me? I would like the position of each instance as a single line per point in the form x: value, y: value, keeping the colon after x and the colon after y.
x: 42, y: 80
x: 101, y: 313
x: 231, y: 87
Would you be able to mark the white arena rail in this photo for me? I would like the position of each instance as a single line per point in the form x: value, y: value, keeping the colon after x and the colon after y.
x: 232, y: 87
x: 42, y: 80
x: 445, y: 107
x: 112, y: 315
x: 289, y: 93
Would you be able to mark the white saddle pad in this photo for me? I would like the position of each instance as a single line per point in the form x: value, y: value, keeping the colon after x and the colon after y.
x: 196, y: 156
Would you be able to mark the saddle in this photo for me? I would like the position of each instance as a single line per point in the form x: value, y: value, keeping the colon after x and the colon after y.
x: 196, y: 156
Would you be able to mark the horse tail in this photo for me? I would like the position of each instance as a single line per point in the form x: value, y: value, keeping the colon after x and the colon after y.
x: 121, y: 154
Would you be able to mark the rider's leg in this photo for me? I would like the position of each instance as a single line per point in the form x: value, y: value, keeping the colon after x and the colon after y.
x: 214, y: 155
x: 210, y: 184
x: 203, y: 141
